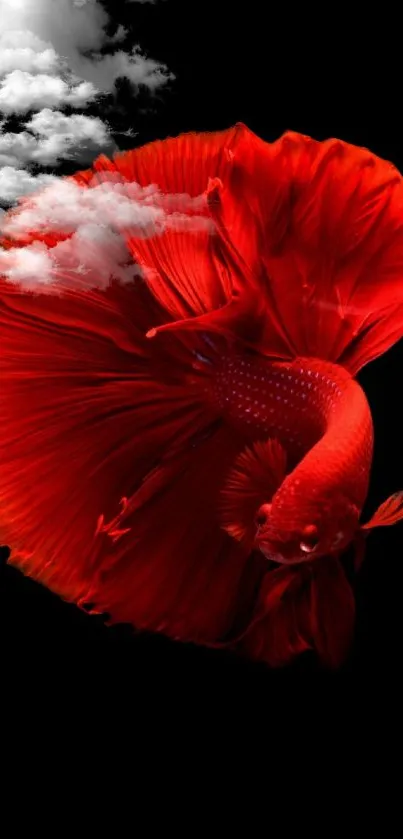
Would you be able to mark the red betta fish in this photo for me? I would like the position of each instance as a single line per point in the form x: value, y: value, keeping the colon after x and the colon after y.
x: 189, y: 451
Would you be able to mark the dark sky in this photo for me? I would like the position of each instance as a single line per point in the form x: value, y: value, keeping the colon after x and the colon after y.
x: 320, y: 77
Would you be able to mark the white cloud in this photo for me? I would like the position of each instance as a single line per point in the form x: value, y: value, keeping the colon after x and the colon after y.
x: 75, y: 28
x: 52, y: 136
x: 133, y: 66
x: 60, y: 135
x: 21, y: 92
x: 51, y: 57
x: 30, y: 261
x: 98, y: 220
x: 120, y: 34
x: 16, y: 148
x: 122, y: 205
x: 14, y: 183
x: 92, y: 256
x: 21, y: 50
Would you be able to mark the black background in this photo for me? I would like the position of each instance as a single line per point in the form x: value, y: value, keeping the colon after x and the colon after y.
x: 323, y: 77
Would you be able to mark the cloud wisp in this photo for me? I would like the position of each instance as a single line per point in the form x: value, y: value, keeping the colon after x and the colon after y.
x: 82, y: 231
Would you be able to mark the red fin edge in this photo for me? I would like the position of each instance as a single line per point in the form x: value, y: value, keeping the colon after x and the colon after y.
x: 388, y: 513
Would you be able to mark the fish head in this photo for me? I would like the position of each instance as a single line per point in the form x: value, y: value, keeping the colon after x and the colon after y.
x: 304, y: 523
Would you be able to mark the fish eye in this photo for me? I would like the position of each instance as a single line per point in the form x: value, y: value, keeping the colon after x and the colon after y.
x: 262, y: 515
x: 310, y: 539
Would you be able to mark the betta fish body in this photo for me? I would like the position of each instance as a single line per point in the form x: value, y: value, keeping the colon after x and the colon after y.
x: 189, y: 451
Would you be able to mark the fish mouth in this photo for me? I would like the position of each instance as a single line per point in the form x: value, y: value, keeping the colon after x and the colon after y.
x: 273, y: 554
